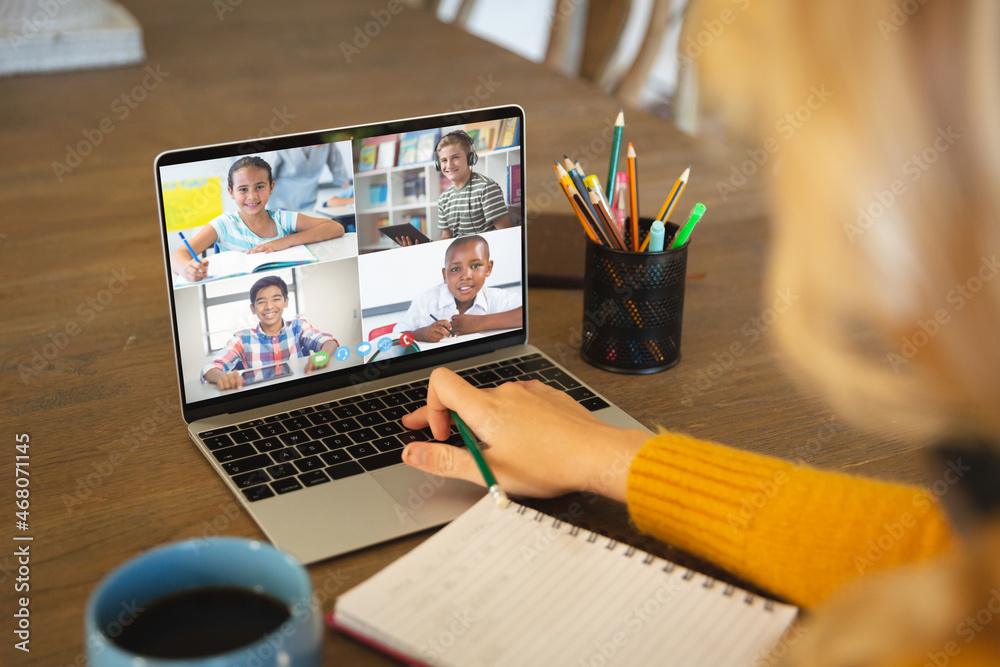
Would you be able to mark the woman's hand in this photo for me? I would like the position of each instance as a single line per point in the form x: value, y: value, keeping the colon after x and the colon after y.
x: 538, y: 440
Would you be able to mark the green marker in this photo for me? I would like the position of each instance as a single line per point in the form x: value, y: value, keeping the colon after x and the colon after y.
x: 499, y: 497
x: 320, y: 359
x: 685, y: 232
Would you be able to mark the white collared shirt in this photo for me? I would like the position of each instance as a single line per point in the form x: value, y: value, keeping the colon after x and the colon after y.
x: 439, y: 303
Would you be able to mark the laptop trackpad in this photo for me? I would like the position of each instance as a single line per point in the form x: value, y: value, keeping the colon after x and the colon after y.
x: 428, y: 499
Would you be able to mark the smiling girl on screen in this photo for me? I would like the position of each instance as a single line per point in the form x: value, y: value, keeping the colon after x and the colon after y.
x: 252, y: 227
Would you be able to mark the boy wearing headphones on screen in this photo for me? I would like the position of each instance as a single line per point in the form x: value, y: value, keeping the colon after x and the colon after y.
x: 474, y: 203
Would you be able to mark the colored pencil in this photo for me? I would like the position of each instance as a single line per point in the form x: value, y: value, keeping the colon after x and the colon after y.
x: 583, y: 179
x: 604, y: 217
x: 645, y: 242
x: 187, y: 245
x: 633, y: 198
x: 576, y: 174
x: 592, y: 182
x: 675, y: 194
x: 602, y: 237
x: 619, y: 204
x: 499, y: 497
x: 576, y: 202
x: 616, y: 148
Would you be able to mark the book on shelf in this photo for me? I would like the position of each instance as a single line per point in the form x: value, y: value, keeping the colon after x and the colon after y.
x: 408, y: 150
x: 426, y: 143
x: 474, y: 135
x: 378, y: 193
x: 484, y: 135
x: 414, y: 187
x: 386, y: 155
x: 372, y: 154
x: 518, y: 587
x: 508, y: 133
x: 485, y: 140
x: 417, y: 147
x: 514, y: 184
x: 366, y: 160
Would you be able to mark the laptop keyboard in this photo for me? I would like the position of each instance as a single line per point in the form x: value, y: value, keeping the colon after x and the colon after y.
x: 330, y: 441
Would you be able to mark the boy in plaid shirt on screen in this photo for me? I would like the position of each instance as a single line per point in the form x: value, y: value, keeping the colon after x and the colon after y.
x: 272, y: 342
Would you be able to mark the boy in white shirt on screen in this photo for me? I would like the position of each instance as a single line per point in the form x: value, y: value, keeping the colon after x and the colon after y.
x: 462, y: 304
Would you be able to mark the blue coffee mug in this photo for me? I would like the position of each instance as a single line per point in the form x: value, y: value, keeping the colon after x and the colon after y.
x: 194, y: 564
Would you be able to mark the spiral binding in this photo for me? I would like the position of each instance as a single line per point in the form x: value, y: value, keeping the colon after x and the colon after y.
x: 611, y: 544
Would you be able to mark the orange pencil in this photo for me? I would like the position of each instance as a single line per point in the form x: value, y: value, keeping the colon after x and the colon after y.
x: 633, y: 199
x: 569, y: 190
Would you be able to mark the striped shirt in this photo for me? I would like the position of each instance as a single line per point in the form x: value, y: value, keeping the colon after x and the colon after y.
x: 252, y: 348
x: 235, y: 235
x: 472, y: 209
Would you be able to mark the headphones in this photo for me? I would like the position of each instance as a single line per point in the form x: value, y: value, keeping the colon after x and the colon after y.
x: 473, y: 156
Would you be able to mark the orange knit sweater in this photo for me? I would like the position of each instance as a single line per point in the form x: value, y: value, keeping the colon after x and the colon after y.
x: 793, y: 530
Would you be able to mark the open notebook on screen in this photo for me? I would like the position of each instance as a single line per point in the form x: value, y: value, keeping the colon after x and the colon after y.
x: 293, y: 379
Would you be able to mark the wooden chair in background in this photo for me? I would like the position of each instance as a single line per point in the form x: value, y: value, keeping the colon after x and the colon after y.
x: 586, y: 46
x: 600, y: 34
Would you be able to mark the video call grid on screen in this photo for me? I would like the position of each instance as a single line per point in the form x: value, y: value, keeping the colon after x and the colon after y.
x: 357, y: 287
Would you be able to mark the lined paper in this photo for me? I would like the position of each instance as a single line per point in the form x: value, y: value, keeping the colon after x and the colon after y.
x: 516, y: 586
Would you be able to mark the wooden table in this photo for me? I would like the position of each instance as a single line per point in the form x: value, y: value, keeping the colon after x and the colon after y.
x: 87, y: 367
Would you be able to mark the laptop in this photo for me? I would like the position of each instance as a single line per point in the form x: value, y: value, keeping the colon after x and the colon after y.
x: 332, y: 347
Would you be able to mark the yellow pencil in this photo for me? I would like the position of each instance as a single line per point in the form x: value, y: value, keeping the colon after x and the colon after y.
x: 674, y: 195
x: 573, y: 196
x: 645, y: 242
x: 575, y: 172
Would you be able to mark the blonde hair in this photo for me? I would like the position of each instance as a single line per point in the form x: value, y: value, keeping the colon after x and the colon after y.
x: 886, y: 200
x: 457, y: 138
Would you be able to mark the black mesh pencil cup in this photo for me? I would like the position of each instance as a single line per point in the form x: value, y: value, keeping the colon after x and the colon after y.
x: 633, y: 304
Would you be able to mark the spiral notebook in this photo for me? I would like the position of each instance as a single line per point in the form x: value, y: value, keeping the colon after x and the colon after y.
x: 519, y: 587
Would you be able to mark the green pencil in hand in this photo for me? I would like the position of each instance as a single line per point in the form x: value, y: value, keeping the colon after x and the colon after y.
x: 499, y: 497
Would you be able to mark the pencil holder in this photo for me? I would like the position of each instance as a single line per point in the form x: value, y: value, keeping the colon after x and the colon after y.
x: 633, y: 304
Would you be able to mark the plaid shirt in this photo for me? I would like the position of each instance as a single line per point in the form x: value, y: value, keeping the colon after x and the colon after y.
x: 252, y: 348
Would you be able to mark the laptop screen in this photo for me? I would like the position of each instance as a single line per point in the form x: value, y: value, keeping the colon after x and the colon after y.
x: 308, y: 262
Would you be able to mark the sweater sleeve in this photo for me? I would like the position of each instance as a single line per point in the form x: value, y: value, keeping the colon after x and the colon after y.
x: 796, y: 531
